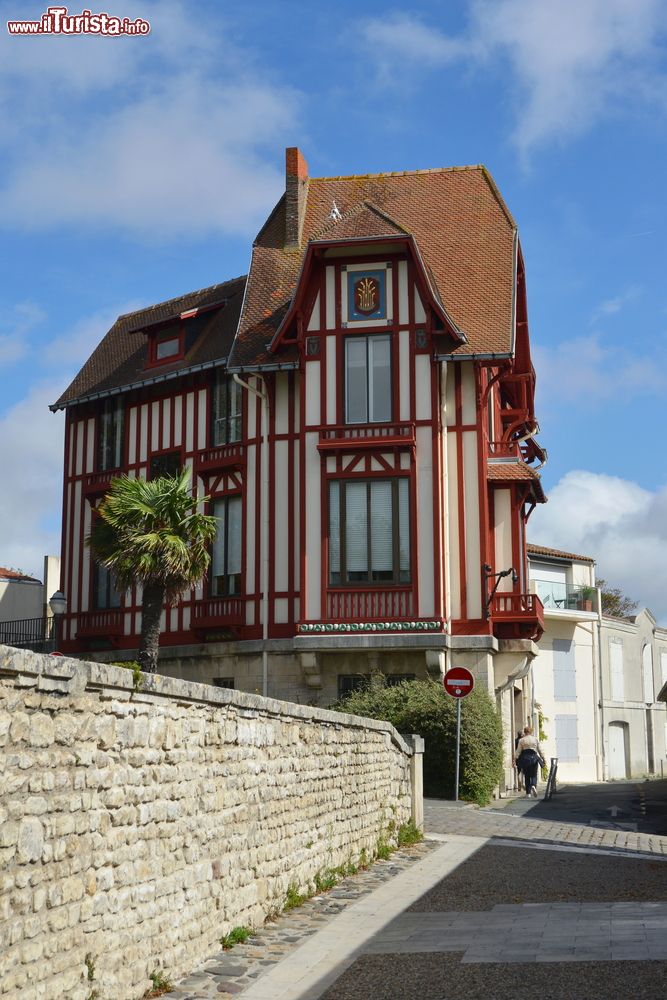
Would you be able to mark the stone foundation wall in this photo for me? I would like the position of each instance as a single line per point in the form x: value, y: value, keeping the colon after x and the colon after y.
x: 138, y: 827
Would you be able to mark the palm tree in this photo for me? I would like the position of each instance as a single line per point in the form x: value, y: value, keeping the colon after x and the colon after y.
x: 149, y: 533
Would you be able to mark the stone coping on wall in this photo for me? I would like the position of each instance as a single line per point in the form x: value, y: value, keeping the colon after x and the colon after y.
x: 68, y: 676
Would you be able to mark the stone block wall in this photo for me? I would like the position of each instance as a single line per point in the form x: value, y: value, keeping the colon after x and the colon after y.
x: 139, y: 826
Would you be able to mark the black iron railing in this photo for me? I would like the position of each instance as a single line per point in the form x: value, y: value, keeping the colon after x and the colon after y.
x: 38, y: 634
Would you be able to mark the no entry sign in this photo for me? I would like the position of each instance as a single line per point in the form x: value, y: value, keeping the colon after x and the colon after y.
x: 458, y: 681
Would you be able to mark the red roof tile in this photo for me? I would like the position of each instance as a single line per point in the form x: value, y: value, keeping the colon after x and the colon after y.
x: 516, y: 471
x: 541, y: 550
x: 119, y: 361
x: 458, y: 220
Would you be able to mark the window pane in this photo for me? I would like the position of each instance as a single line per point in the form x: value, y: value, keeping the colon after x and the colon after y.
x: 380, y: 382
x: 166, y: 348
x: 234, y: 534
x: 334, y: 532
x: 218, y: 552
x: 167, y: 464
x: 356, y: 531
x: 235, y: 411
x: 381, y: 531
x: 356, y: 380
x: 220, y: 409
x: 105, y: 594
x: 404, y: 530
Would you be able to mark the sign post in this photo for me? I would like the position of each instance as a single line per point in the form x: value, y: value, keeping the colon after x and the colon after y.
x: 458, y: 682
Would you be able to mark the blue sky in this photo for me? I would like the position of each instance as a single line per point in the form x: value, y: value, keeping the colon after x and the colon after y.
x: 135, y: 169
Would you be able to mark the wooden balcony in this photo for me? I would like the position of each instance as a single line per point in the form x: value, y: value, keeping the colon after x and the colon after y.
x: 517, y: 616
x: 223, y: 456
x: 350, y: 437
x: 346, y: 605
x: 107, y: 624
x: 98, y: 483
x: 218, y: 613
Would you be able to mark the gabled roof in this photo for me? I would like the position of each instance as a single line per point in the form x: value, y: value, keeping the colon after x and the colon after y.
x: 119, y: 361
x: 462, y: 229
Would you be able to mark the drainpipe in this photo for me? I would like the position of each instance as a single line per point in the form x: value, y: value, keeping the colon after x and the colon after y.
x: 264, y: 536
x: 603, y: 762
x: 445, y: 496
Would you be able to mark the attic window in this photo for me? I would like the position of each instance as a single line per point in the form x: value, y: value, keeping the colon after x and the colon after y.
x: 166, y: 344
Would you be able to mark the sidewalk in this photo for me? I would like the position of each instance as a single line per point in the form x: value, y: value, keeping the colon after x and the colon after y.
x: 493, y: 905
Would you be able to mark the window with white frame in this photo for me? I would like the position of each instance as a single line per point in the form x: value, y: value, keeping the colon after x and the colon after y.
x: 226, y: 552
x: 567, y: 739
x: 369, y: 531
x: 565, y: 676
x: 368, y: 379
x: 616, y: 670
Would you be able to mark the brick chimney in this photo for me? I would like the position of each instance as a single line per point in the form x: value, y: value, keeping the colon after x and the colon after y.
x: 296, y: 186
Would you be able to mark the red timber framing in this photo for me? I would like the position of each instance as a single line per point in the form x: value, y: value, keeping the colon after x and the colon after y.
x: 310, y: 444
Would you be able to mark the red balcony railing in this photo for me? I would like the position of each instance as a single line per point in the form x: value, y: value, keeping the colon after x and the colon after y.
x: 96, y: 483
x: 99, y: 624
x: 519, y: 615
x: 218, y: 612
x: 369, y: 605
x: 401, y: 435
x: 223, y: 456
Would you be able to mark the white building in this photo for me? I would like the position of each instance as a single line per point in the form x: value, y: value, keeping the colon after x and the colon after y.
x: 596, y: 679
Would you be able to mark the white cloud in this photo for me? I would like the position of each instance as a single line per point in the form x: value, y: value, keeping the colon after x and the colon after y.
x: 165, y: 135
x: 15, y: 329
x: 572, y: 62
x: 617, y: 522
x: 590, y: 370
x: 31, y: 439
x: 71, y: 349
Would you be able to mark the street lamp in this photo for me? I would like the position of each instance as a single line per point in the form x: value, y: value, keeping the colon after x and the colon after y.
x: 58, y: 605
x: 490, y: 575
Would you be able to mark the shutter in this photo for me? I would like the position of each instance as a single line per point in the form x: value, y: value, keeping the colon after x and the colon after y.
x: 567, y: 740
x: 356, y: 531
x: 616, y: 670
x: 404, y: 530
x: 381, y: 530
x: 218, y: 553
x: 334, y: 532
x: 565, y: 681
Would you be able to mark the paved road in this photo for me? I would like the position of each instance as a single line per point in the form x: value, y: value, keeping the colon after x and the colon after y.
x: 495, y: 905
x: 624, y: 805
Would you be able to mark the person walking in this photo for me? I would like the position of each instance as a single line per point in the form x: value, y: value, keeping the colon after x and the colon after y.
x: 529, y: 757
x: 519, y: 774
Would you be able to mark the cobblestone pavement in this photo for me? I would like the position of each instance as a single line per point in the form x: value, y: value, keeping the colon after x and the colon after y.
x: 443, y: 817
x: 594, y: 899
x: 228, y: 973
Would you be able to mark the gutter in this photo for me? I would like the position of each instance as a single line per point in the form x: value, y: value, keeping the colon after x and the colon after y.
x: 153, y: 380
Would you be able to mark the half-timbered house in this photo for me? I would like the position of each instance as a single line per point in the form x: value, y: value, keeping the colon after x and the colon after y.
x: 359, y: 410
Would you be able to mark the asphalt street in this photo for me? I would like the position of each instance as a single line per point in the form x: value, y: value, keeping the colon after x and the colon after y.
x: 632, y: 805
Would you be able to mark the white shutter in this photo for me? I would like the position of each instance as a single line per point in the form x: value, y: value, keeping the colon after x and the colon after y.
x: 404, y: 529
x: 567, y: 740
x: 381, y: 530
x: 356, y: 380
x: 356, y: 528
x: 218, y: 552
x: 334, y: 532
x: 616, y: 670
x: 565, y: 680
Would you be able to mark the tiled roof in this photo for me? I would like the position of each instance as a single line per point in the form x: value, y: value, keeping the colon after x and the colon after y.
x: 120, y: 359
x: 516, y: 471
x: 541, y: 550
x: 458, y: 220
x: 13, y: 574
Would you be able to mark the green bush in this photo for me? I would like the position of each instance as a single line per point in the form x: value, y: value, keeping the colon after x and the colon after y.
x: 424, y: 708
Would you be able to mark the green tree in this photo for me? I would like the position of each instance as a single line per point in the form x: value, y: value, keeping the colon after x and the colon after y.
x: 614, y: 601
x: 149, y: 533
x: 424, y: 708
